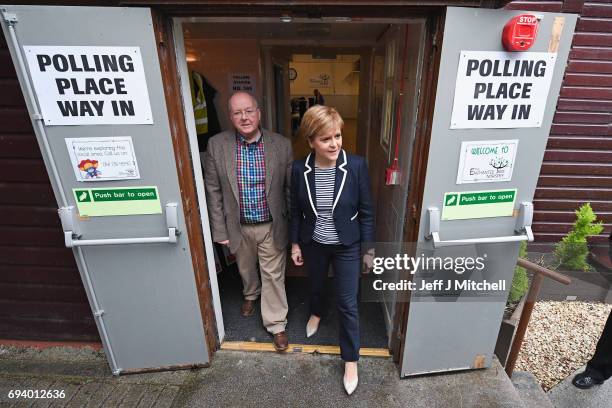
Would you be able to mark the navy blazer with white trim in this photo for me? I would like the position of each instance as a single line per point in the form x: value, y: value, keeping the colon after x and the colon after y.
x: 352, y: 207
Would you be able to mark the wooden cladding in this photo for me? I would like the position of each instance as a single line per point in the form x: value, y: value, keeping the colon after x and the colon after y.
x: 577, y: 165
x: 575, y: 181
x: 41, y: 294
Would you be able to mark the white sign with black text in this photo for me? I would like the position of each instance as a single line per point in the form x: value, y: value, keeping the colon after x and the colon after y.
x: 501, y: 90
x: 89, y: 85
x: 486, y: 161
x: 242, y: 83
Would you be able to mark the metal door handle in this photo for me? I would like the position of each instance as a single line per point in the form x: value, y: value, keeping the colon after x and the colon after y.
x: 72, y: 235
x: 523, y: 227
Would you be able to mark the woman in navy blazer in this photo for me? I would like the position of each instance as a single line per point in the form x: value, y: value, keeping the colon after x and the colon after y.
x: 331, y: 215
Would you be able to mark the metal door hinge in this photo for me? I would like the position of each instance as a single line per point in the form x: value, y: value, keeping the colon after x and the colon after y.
x: 413, y: 212
x: 9, y: 18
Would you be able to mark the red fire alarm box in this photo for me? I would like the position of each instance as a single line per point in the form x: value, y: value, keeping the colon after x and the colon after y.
x: 520, y: 32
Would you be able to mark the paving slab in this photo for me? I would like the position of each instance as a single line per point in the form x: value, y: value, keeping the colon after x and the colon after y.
x: 565, y: 395
x: 83, y: 378
x: 99, y: 393
x: 529, y: 389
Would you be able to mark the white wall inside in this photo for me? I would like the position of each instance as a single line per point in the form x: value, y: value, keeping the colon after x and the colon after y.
x: 218, y: 59
x: 341, y: 90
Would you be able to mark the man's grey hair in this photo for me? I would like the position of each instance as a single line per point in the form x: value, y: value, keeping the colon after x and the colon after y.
x: 229, y: 100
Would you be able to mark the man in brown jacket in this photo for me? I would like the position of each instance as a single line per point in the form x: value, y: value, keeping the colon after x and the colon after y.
x: 247, y: 173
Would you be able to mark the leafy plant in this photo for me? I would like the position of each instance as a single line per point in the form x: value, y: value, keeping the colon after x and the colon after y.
x: 520, y: 282
x: 571, y: 252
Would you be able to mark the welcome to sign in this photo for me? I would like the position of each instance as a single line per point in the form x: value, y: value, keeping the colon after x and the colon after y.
x: 89, y: 85
x: 501, y: 90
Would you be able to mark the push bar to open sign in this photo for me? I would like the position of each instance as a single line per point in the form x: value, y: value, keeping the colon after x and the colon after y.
x: 523, y: 226
x: 72, y: 233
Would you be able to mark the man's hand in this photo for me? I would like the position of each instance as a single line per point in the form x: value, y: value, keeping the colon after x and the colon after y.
x: 226, y: 242
x: 296, y: 255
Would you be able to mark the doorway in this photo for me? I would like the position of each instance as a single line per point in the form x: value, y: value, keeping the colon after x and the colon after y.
x: 356, y: 67
x: 331, y: 72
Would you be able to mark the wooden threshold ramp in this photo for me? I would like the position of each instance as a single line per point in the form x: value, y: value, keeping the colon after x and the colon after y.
x: 300, y: 348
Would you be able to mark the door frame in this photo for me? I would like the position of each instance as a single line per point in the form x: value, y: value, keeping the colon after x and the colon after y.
x: 427, y: 95
x: 271, y: 60
x: 427, y: 88
x: 197, y: 176
x: 164, y: 38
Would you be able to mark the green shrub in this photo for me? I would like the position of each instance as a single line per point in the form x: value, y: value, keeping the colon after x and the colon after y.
x: 571, y: 252
x: 520, y: 282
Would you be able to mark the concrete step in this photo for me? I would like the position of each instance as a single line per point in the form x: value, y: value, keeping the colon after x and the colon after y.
x: 530, y: 391
x: 252, y: 379
x: 302, y: 380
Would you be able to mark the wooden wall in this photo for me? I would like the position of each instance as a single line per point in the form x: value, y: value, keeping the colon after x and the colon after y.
x: 577, y: 164
x: 41, y: 294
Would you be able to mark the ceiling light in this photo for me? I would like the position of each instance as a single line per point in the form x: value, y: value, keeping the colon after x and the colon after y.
x: 285, y: 18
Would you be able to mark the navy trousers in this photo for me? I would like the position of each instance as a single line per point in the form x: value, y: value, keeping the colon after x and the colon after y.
x: 346, y: 262
x: 600, y: 365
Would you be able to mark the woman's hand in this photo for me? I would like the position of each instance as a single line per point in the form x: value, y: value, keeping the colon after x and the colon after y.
x: 368, y: 261
x: 296, y: 255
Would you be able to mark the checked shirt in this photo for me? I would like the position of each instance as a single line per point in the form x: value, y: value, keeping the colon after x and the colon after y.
x: 251, y: 176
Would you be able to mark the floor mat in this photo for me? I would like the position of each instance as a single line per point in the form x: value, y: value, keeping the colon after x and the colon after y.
x: 239, y: 328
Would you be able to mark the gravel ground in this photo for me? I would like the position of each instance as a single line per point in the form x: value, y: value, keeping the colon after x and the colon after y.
x: 561, y: 337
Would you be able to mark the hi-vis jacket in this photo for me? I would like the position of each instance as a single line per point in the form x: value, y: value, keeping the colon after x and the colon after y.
x: 200, y: 110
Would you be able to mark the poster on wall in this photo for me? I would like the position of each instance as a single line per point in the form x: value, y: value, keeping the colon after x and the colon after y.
x: 322, y: 80
x: 486, y: 161
x: 501, y: 90
x: 89, y: 85
x: 242, y: 82
x: 103, y: 158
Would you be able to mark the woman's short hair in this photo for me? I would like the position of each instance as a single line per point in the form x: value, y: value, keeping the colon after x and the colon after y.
x: 317, y: 120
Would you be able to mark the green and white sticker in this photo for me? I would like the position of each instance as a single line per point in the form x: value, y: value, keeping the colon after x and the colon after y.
x: 100, y: 202
x: 478, y: 204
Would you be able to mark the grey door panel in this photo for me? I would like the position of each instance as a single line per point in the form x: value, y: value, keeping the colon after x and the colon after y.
x: 445, y: 334
x: 144, y: 295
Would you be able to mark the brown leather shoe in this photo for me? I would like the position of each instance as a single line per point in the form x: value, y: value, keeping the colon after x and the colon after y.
x: 281, y: 341
x: 248, y: 307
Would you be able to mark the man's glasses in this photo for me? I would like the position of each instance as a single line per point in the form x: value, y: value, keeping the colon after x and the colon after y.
x: 248, y: 112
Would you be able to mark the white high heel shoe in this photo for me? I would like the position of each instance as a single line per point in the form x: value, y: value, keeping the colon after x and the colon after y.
x: 350, y: 386
x: 310, y: 330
